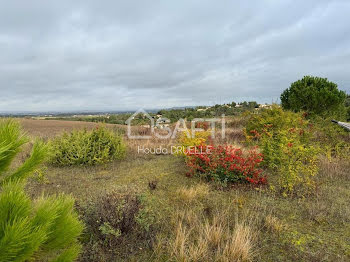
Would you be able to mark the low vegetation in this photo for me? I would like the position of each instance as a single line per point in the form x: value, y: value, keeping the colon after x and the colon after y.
x: 83, y: 147
x: 113, y: 218
x: 198, y: 239
x: 285, y: 141
x: 274, y: 189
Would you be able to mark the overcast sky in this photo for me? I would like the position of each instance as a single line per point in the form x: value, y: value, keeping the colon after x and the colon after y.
x: 114, y: 55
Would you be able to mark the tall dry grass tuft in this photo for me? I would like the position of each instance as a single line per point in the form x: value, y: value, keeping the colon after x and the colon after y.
x: 239, y: 247
x: 191, y: 194
x: 212, y: 241
x: 334, y: 168
x: 198, y: 237
x: 273, y: 224
x: 213, y: 232
x: 178, y: 246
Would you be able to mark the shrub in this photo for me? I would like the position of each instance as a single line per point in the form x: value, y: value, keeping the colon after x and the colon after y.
x: 298, y: 166
x: 275, y: 120
x: 46, y: 228
x: 225, y: 164
x: 116, y: 216
x: 285, y: 140
x: 314, y: 95
x: 87, y: 147
x: 276, y: 130
x: 199, y: 139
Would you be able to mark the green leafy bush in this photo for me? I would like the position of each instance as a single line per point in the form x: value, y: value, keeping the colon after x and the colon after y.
x: 315, y: 95
x: 47, y: 228
x: 285, y: 140
x: 83, y: 147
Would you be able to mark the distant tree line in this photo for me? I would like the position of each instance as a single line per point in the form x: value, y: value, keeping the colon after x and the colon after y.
x: 315, y: 96
x: 173, y: 115
x: 207, y: 112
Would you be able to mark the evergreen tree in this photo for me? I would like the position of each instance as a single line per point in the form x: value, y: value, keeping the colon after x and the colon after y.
x: 46, y: 228
x: 314, y: 95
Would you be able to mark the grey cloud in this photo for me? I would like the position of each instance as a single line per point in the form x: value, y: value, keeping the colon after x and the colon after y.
x: 112, y: 55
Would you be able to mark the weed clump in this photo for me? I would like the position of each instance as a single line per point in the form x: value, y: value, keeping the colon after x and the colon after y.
x: 84, y: 147
x: 118, y: 219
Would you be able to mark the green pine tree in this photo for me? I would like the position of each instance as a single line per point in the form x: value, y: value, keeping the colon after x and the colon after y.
x: 43, y: 229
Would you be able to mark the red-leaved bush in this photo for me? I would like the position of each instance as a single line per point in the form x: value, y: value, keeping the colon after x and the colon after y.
x: 225, y: 164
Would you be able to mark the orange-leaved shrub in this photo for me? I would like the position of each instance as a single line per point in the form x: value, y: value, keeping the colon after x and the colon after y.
x: 225, y: 164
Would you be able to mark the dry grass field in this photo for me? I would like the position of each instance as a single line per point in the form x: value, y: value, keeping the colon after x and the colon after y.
x: 50, y: 128
x: 189, y: 220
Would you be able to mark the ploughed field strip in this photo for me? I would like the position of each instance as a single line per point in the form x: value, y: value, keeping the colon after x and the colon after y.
x: 50, y: 128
